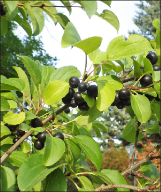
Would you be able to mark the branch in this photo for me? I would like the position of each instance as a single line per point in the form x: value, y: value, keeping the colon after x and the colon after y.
x: 142, y: 176
x: 129, y: 79
x: 51, y: 117
x: 5, y: 136
x: 43, y: 5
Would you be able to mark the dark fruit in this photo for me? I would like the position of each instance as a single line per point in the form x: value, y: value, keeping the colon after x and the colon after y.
x: 92, y: 91
x: 70, y: 94
x: 117, y: 98
x: 36, y: 123
x: 73, y: 104
x: 78, y: 97
x: 149, y: 97
x: 152, y: 57
x: 120, y: 105
x: 157, y: 68
x: 66, y: 100
x: 20, y: 133
x: 146, y: 80
x: 38, y: 145
x: 41, y: 136
x: 127, y: 102
x: 59, y: 135
x: 73, y: 82
x: 83, y: 106
x: 124, y: 94
x: 67, y: 111
x: 15, y: 139
x: 82, y: 87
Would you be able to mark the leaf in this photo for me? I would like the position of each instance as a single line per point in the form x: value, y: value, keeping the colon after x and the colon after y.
x: 147, y: 66
x: 115, y: 177
x: 119, y: 49
x: 156, y: 24
x: 141, y: 107
x: 8, y: 179
x: 137, y: 71
x: 100, y: 125
x: 12, y: 9
x: 156, y: 108
x: 145, y: 166
x: 24, y: 24
x: 55, y: 91
x: 67, y: 3
x: 32, y: 69
x: 37, y: 129
x: 8, y: 95
x: 12, y: 84
x: 33, y: 171
x: 4, y: 104
x: 106, y: 2
x: 29, y: 115
x: 90, y: 100
x: 62, y: 19
x: 25, y: 147
x: 14, y: 118
x: 56, y: 181
x: 129, y: 133
x: 86, y: 183
x: 89, y: 45
x: 4, y: 26
x: 91, y: 148
x: 111, y: 18
x: 12, y: 104
x: 54, y: 150
x: 46, y: 72
x: 70, y: 36
x: 4, y: 130
x: 97, y: 56
x: 152, y: 172
x: 103, y: 177
x: 65, y: 73
x: 153, y: 128
x: 17, y: 158
x: 106, y: 95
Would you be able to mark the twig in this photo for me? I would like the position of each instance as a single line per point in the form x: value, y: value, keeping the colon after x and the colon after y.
x: 85, y: 66
x: 5, y: 136
x: 142, y: 176
x: 43, y: 5
x: 129, y: 79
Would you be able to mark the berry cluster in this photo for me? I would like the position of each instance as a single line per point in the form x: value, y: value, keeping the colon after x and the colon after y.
x: 2, y: 11
x: 74, y: 99
x: 122, y: 99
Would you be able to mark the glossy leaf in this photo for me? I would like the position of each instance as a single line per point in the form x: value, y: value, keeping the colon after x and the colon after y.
x: 12, y: 84
x: 14, y: 118
x: 32, y: 69
x: 54, y: 150
x: 4, y: 26
x: 55, y: 91
x: 119, y: 49
x: 86, y: 183
x: 4, y: 104
x: 91, y: 148
x: 17, y: 158
x: 8, y: 179
x: 33, y: 171
x: 70, y: 36
x: 56, y: 181
x: 25, y: 147
x: 89, y: 45
x: 141, y: 107
x: 111, y: 18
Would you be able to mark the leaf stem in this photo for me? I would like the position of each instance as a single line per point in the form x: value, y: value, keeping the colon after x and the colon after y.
x: 30, y: 100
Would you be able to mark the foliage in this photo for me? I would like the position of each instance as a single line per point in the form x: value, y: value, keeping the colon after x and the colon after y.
x: 63, y: 157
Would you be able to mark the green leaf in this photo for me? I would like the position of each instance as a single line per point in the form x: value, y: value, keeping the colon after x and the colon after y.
x: 12, y: 84
x: 56, y: 181
x: 86, y: 183
x: 156, y: 24
x: 55, y: 91
x: 12, y: 104
x: 25, y: 147
x: 14, y: 118
x: 152, y: 172
x: 33, y: 171
x: 4, y: 26
x: 106, y: 2
x: 137, y: 71
x: 89, y: 45
x: 115, y: 177
x: 100, y: 125
x: 12, y: 9
x: 29, y: 115
x: 23, y: 12
x: 24, y: 127
x: 90, y: 100
x: 65, y: 73
x: 103, y: 177
x: 129, y: 133
x: 4, y: 130
x: 153, y: 128
x: 141, y: 107
x: 62, y: 19
x: 91, y: 148
x: 119, y: 49
x: 97, y: 56
x: 147, y: 66
x: 17, y: 158
x: 37, y: 129
x: 8, y: 179
x: 111, y: 18
x: 4, y: 104
x: 24, y: 24
x: 70, y: 36
x: 46, y: 72
x: 145, y: 166
x: 8, y: 95
x: 106, y: 95
x: 156, y: 108
x: 32, y: 69
x: 54, y: 149
x: 67, y: 3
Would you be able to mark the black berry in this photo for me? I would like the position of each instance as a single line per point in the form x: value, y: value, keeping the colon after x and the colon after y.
x: 146, y: 80
x: 66, y: 100
x: 92, y: 91
x: 124, y: 94
x: 157, y: 68
x: 73, y: 82
x: 82, y: 87
x: 152, y: 57
x: 70, y: 94
x: 117, y: 98
x: 59, y: 135
x: 67, y: 111
x: 78, y: 97
x: 73, y: 104
x: 127, y: 102
x: 83, y: 106
x: 36, y: 123
x: 120, y: 105
x: 42, y: 136
x: 15, y: 139
x: 20, y: 133
x: 38, y: 145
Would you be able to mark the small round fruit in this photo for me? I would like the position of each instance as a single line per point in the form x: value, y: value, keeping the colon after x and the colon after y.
x: 66, y: 100
x: 15, y: 139
x: 42, y: 136
x: 78, y: 97
x: 124, y: 94
x: 20, y: 133
x: 146, y: 80
x: 83, y: 106
x: 127, y: 102
x: 73, y: 82
x: 36, y: 123
x: 120, y: 105
x: 73, y: 104
x: 67, y: 111
x: 82, y: 87
x: 152, y: 57
x: 117, y: 98
x: 59, y: 135
x: 70, y: 94
x: 92, y: 91
x: 38, y: 145
x: 157, y: 68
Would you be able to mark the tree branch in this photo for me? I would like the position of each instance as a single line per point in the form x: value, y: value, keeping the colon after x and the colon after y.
x: 5, y: 136
x: 43, y: 5
x: 142, y: 176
